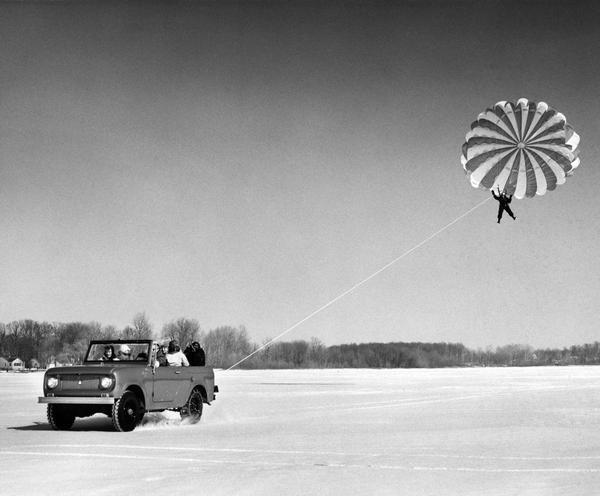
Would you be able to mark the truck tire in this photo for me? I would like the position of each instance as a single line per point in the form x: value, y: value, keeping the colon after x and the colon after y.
x: 126, y: 412
x: 192, y: 411
x: 60, y: 417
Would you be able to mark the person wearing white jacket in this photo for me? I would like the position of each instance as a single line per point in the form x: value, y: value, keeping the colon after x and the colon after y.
x: 175, y: 356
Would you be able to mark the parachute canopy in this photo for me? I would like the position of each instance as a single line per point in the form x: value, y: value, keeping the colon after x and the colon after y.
x: 522, y: 148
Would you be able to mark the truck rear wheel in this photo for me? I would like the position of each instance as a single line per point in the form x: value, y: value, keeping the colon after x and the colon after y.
x: 126, y: 412
x: 192, y: 411
x: 60, y: 417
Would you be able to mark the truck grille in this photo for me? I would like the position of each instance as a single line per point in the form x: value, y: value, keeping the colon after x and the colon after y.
x: 75, y: 382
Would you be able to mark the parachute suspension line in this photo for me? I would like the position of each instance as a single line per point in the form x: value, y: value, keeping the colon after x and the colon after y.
x: 357, y: 285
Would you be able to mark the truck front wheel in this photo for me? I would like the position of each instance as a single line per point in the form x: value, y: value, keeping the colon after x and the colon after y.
x: 126, y: 412
x: 61, y: 417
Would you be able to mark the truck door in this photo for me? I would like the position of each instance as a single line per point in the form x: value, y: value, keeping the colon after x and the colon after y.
x: 169, y: 385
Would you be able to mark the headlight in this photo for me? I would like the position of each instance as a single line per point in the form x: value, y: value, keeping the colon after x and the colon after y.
x: 51, y: 382
x: 106, y: 382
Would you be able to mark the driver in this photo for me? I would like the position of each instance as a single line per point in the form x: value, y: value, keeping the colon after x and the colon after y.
x: 109, y: 353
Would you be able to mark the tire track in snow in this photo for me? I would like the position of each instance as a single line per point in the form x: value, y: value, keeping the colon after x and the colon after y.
x: 311, y: 452
x: 370, y: 405
x: 354, y: 466
x: 311, y: 463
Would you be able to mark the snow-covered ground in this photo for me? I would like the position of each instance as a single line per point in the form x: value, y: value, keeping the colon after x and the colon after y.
x: 495, y: 431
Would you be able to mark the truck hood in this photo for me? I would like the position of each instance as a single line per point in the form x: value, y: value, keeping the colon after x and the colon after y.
x: 93, y: 369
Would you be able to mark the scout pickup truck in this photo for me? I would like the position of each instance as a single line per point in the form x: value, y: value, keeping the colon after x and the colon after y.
x: 123, y: 380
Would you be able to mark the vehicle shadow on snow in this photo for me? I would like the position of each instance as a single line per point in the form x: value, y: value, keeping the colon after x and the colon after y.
x: 37, y: 426
x: 99, y: 423
x: 103, y: 423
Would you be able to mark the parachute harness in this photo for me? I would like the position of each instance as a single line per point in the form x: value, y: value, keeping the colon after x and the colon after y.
x: 365, y: 280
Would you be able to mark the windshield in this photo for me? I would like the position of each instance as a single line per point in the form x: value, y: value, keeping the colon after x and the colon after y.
x: 118, y: 351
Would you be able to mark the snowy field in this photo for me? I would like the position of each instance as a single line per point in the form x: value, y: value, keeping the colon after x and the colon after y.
x: 495, y: 431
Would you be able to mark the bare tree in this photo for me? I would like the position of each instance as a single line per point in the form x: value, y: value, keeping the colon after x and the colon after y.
x: 317, y: 353
x: 183, y: 330
x: 108, y: 332
x: 128, y: 332
x: 141, y: 329
x: 226, y: 345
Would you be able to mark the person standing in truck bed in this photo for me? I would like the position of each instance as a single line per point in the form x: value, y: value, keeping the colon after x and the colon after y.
x: 175, y: 356
x: 195, y: 354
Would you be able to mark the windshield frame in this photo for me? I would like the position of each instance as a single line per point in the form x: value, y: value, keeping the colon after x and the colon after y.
x: 137, y: 346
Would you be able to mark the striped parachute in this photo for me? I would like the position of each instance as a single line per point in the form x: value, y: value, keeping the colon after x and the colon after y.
x: 523, y: 149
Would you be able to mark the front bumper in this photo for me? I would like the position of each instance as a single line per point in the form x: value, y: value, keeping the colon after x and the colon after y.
x: 76, y: 400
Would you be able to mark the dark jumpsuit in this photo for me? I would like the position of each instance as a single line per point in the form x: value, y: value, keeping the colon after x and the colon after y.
x: 503, y: 201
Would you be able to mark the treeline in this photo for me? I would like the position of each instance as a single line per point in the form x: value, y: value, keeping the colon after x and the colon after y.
x: 67, y: 343
x: 302, y: 354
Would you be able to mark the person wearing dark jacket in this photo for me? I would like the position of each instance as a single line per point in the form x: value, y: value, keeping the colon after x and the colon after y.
x: 503, y: 204
x: 195, y: 354
x: 109, y: 354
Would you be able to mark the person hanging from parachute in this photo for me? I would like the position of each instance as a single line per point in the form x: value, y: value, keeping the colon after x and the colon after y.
x: 522, y: 149
x: 503, y: 204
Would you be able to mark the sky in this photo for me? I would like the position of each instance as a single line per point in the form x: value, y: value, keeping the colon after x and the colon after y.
x: 244, y: 163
